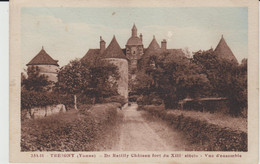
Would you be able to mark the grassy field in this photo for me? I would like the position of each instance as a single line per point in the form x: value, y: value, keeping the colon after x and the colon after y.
x: 82, y: 130
x: 205, y: 131
x: 235, y: 123
x: 222, y: 120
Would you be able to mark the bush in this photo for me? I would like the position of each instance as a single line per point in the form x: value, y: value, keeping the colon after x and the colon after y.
x: 65, y: 99
x: 133, y: 98
x: 70, y: 131
x: 117, y: 99
x: 83, y: 99
x: 149, y: 100
x: 30, y: 99
x: 206, y: 136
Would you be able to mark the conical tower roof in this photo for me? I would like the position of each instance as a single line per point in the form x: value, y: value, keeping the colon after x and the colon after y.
x: 113, y: 50
x: 134, y: 27
x: 153, y: 48
x: 223, y: 51
x: 42, y: 58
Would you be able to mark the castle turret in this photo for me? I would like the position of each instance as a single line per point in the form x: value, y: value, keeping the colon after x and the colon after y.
x: 102, y: 45
x: 134, y: 31
x: 164, y: 45
x: 153, y: 48
x: 141, y: 37
x: 224, y: 52
x: 46, y: 64
x: 115, y: 55
x: 134, y: 52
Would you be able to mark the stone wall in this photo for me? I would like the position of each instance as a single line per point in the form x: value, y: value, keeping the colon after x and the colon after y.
x: 122, y: 65
x: 49, y: 70
x: 39, y: 112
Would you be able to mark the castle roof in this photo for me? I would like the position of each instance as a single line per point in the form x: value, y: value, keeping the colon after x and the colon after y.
x: 223, y: 51
x: 113, y: 50
x: 134, y: 27
x: 42, y: 58
x: 176, y: 52
x: 91, y: 55
x: 153, y: 48
x: 134, y: 40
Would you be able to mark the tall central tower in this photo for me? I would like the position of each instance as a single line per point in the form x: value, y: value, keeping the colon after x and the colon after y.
x: 134, y: 52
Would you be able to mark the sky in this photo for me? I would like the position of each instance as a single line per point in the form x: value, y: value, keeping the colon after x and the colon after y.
x: 67, y: 33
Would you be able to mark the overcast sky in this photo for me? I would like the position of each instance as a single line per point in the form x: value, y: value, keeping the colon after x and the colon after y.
x: 68, y: 33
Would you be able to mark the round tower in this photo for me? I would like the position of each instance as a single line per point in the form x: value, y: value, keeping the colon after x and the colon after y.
x: 46, y: 64
x: 115, y: 55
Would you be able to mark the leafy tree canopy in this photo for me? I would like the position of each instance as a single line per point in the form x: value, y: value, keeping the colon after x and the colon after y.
x: 95, y: 80
x: 35, y: 81
x: 172, y: 77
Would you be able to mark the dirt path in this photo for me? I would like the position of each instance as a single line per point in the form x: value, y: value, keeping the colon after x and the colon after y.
x: 139, y: 133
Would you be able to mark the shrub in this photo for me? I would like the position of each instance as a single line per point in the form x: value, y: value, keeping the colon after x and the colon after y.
x: 83, y: 99
x: 149, y: 100
x: 66, y: 99
x: 206, y: 136
x: 30, y: 99
x: 70, y: 131
x: 133, y: 98
x: 117, y: 99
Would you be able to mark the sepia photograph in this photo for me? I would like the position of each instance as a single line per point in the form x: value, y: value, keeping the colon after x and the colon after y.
x: 119, y: 79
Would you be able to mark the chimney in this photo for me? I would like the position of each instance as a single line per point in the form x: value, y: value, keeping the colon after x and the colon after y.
x: 141, y: 37
x: 102, y: 45
x: 164, y: 44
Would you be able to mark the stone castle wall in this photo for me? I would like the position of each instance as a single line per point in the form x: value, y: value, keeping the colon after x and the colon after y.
x: 49, y: 70
x: 122, y: 65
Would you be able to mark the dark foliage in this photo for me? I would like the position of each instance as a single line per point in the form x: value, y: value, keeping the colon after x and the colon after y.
x: 207, y: 137
x: 117, y: 99
x: 71, y: 131
x: 227, y: 78
x: 96, y: 81
x: 174, y: 78
x: 171, y: 77
x: 30, y: 99
x: 35, y: 81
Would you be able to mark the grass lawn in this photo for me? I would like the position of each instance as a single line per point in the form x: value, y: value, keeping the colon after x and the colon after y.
x: 74, y: 130
x: 235, y: 123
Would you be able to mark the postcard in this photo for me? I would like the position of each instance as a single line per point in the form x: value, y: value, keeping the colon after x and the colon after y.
x: 115, y: 81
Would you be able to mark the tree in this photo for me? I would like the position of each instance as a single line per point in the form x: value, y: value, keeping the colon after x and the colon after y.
x: 102, y: 81
x: 237, y: 90
x: 228, y: 79
x: 172, y: 78
x: 94, y: 80
x: 35, y: 81
x: 72, y: 79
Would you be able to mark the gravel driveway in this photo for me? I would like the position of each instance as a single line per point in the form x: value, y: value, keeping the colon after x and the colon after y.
x: 137, y: 133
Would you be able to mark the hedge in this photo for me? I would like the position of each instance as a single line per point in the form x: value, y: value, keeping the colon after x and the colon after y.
x: 71, y: 131
x: 211, y: 137
x: 117, y: 99
x: 30, y: 99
